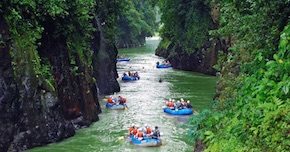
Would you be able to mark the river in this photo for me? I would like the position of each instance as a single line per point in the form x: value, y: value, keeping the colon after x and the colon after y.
x: 145, y: 99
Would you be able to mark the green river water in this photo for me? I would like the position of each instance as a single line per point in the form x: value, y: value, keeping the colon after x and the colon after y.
x: 145, y: 99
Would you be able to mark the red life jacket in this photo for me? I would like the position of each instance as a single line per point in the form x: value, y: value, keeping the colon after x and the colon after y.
x: 140, y: 134
x: 131, y: 129
x: 110, y: 100
x: 170, y: 104
x: 134, y: 131
x: 148, y: 130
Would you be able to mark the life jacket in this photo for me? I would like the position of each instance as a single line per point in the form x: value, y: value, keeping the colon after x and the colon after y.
x: 148, y: 130
x: 131, y: 129
x: 140, y: 134
x: 184, y: 103
x: 134, y: 131
x: 168, y: 104
x: 110, y: 100
x: 124, y: 100
x: 171, y: 104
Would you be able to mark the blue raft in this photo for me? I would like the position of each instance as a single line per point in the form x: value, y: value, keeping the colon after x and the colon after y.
x: 128, y: 78
x: 163, y: 66
x: 185, y: 111
x: 148, y: 142
x: 123, y: 59
x: 115, y: 106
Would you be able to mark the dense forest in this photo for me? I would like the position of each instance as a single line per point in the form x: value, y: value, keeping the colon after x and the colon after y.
x: 185, y: 41
x: 251, y: 109
x: 136, y: 23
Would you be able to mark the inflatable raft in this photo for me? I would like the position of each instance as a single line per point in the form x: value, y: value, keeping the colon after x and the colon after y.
x: 149, y: 142
x: 185, y: 111
x: 123, y: 59
x: 163, y: 66
x: 116, y: 106
x: 128, y: 78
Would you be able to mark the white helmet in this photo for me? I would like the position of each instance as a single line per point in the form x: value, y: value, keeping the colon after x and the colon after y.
x: 173, y: 100
x: 137, y: 126
x: 146, y: 125
x: 181, y: 99
x: 178, y: 101
x: 169, y: 99
x: 188, y: 101
x: 140, y: 129
x: 133, y: 125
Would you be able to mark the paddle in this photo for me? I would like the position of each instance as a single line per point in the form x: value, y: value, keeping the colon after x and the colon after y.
x: 126, y: 107
x: 123, y: 137
x: 162, y: 142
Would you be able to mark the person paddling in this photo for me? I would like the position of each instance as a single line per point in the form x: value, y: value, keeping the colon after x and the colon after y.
x: 131, y: 129
x: 110, y: 100
x: 121, y: 100
x: 156, y: 133
x: 188, y: 105
x: 148, y: 130
x: 134, y: 131
x: 139, y: 134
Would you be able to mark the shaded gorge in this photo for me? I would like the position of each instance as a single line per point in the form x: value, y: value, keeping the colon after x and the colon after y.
x: 145, y: 98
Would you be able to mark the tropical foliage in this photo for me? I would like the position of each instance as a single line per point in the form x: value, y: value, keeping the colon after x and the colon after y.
x: 136, y: 21
x: 28, y: 20
x: 252, y: 111
x: 185, y: 23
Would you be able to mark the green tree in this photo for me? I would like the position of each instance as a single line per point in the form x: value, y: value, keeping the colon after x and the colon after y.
x: 136, y: 22
x: 185, y: 23
x: 252, y: 111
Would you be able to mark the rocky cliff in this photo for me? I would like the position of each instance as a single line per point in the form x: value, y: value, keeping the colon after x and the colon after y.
x: 125, y: 42
x: 104, y: 61
x: 49, y: 92
x: 199, y: 59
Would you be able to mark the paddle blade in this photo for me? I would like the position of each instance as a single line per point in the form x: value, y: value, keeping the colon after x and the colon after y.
x: 162, y: 143
x: 121, y: 138
x: 126, y: 108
